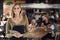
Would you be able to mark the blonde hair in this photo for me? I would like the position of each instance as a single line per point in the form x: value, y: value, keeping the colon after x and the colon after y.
x: 12, y: 14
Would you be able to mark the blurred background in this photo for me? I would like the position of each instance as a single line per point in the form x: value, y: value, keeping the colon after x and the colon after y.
x: 33, y: 8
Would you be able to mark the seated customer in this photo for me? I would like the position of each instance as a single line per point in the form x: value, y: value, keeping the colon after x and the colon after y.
x: 52, y: 28
x: 32, y: 26
x: 46, y: 21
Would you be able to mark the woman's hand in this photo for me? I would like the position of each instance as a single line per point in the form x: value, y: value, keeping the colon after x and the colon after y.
x: 17, y: 35
x: 14, y: 35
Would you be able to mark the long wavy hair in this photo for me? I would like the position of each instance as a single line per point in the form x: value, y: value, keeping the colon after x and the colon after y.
x: 13, y: 14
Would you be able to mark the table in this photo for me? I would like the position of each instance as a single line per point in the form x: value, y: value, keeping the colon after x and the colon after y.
x: 37, y: 34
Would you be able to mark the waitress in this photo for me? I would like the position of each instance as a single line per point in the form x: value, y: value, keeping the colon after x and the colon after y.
x: 17, y: 25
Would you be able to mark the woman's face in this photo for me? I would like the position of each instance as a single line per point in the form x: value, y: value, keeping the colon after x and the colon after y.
x: 17, y: 9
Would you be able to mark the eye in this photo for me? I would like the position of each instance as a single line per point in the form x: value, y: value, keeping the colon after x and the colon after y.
x: 17, y: 8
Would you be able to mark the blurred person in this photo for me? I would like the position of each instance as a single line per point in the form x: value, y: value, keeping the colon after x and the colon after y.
x: 32, y: 25
x: 52, y: 28
x: 57, y: 15
x: 46, y: 20
x: 39, y: 21
x: 17, y: 25
x: 37, y: 16
x: 42, y: 26
x: 52, y: 16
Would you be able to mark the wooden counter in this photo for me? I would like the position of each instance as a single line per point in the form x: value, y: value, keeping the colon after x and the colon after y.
x: 37, y: 34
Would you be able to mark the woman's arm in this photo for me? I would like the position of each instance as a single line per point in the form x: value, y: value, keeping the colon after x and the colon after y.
x: 8, y: 27
x: 27, y: 23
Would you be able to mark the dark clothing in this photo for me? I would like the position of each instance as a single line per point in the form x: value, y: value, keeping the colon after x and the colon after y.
x: 14, y: 38
x: 48, y: 36
x: 20, y: 29
x: 38, y: 23
x: 51, y: 35
x: 46, y: 23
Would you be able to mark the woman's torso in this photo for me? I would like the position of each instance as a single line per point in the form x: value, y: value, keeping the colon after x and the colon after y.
x: 19, y: 26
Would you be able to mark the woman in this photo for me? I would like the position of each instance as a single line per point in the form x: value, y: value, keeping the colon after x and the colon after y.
x: 17, y: 25
x: 32, y: 26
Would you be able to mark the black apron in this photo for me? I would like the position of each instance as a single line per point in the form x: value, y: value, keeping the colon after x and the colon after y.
x: 19, y: 28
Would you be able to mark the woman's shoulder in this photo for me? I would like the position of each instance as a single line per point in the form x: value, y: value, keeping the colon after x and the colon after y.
x: 9, y: 20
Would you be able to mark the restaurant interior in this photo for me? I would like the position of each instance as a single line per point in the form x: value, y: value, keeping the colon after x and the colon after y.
x: 37, y: 10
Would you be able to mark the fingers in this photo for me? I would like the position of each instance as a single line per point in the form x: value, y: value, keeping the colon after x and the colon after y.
x: 17, y: 35
x: 14, y: 35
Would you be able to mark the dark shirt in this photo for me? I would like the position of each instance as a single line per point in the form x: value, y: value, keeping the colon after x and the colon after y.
x: 19, y: 28
x: 46, y: 23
